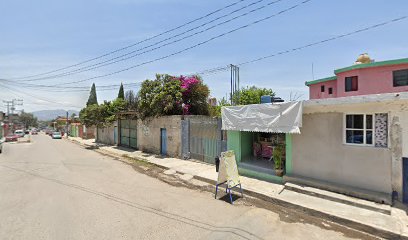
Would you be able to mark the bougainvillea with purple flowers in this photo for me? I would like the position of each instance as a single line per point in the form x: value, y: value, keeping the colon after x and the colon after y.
x: 171, y: 95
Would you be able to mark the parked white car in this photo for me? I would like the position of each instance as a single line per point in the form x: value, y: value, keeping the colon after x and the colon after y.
x: 56, y: 135
x: 19, y: 133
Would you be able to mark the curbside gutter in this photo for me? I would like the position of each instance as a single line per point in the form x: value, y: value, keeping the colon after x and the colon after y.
x: 372, y: 230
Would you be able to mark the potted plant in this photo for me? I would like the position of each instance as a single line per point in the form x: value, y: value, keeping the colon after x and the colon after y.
x: 277, y: 158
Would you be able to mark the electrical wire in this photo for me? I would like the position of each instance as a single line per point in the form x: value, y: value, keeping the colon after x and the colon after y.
x: 225, y: 68
x: 36, y: 97
x: 188, y: 48
x: 34, y: 86
x: 131, y: 54
x: 137, y: 43
x: 324, y: 41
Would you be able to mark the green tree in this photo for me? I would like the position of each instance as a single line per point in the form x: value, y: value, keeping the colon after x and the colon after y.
x: 159, y: 97
x: 215, y: 111
x: 131, y: 100
x: 103, y: 114
x: 112, y: 108
x: 92, y: 96
x: 121, y: 94
x: 28, y: 119
x: 93, y: 115
x: 251, y: 95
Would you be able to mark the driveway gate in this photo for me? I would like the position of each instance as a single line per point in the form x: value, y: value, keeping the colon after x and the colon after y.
x: 204, y: 139
x: 128, y: 133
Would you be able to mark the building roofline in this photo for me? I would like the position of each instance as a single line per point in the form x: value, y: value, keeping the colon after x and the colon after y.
x: 359, y: 66
x: 371, y: 98
x: 321, y: 80
x: 372, y: 64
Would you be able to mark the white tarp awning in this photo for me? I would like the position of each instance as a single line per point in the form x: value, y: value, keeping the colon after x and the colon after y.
x: 273, y: 118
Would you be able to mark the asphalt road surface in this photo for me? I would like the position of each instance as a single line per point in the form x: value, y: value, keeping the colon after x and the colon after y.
x: 54, y: 189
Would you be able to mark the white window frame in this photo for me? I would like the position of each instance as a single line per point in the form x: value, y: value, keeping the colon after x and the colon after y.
x: 364, y: 129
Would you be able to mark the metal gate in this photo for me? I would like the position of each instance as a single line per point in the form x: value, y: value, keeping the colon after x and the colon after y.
x: 205, y: 141
x: 128, y: 133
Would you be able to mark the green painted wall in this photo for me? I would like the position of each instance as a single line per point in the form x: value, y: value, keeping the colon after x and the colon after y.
x: 259, y: 175
x: 288, y: 153
x: 246, y: 144
x: 234, y: 143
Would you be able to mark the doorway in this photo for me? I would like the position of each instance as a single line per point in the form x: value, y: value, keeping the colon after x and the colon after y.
x: 163, y: 140
x: 405, y: 180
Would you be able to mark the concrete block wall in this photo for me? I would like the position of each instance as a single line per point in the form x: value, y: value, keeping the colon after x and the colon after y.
x: 319, y: 153
x: 149, y: 135
x: 106, y: 135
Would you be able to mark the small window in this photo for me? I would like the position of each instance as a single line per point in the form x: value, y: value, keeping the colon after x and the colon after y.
x: 400, y: 78
x: 322, y: 88
x: 351, y: 84
x: 359, y: 129
x: 330, y: 91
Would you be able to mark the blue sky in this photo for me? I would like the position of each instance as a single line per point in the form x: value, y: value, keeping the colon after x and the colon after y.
x: 43, y: 35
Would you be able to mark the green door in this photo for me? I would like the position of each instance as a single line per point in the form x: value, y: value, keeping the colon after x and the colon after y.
x: 128, y: 133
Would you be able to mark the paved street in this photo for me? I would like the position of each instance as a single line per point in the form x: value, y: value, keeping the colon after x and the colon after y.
x: 54, y: 189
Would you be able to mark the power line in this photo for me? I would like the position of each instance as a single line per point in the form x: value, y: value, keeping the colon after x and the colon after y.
x: 225, y: 68
x: 87, y: 90
x: 221, y: 69
x: 189, y: 48
x: 137, y: 43
x: 130, y: 55
x: 35, y: 86
x: 324, y: 41
x: 36, y: 97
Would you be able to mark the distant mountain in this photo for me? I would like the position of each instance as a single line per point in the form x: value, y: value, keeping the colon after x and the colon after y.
x: 45, y: 115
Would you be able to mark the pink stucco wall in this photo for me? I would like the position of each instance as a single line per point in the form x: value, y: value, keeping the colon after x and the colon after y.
x: 372, y: 80
x: 315, y: 90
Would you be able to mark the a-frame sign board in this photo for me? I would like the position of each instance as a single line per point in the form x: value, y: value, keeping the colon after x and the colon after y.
x: 228, y: 173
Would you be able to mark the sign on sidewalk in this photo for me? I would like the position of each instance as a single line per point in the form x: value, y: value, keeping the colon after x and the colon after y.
x: 228, y: 173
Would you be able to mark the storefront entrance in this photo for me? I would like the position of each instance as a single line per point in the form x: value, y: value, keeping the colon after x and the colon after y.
x: 263, y: 151
x: 261, y: 137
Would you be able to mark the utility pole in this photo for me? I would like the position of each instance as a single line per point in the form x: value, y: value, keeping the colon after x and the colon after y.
x: 11, y: 105
x: 8, y: 105
x: 16, y: 102
x: 234, y: 95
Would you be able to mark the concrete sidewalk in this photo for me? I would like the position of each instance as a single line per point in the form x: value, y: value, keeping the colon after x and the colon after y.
x: 386, y: 221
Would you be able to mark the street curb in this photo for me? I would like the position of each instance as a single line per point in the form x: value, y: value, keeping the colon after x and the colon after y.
x: 312, y: 212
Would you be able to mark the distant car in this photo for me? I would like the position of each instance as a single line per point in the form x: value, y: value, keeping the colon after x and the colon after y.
x: 12, y: 138
x: 27, y: 131
x: 34, y: 132
x: 19, y: 133
x: 56, y: 135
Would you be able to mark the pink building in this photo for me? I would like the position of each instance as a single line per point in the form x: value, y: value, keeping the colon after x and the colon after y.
x: 363, y: 78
